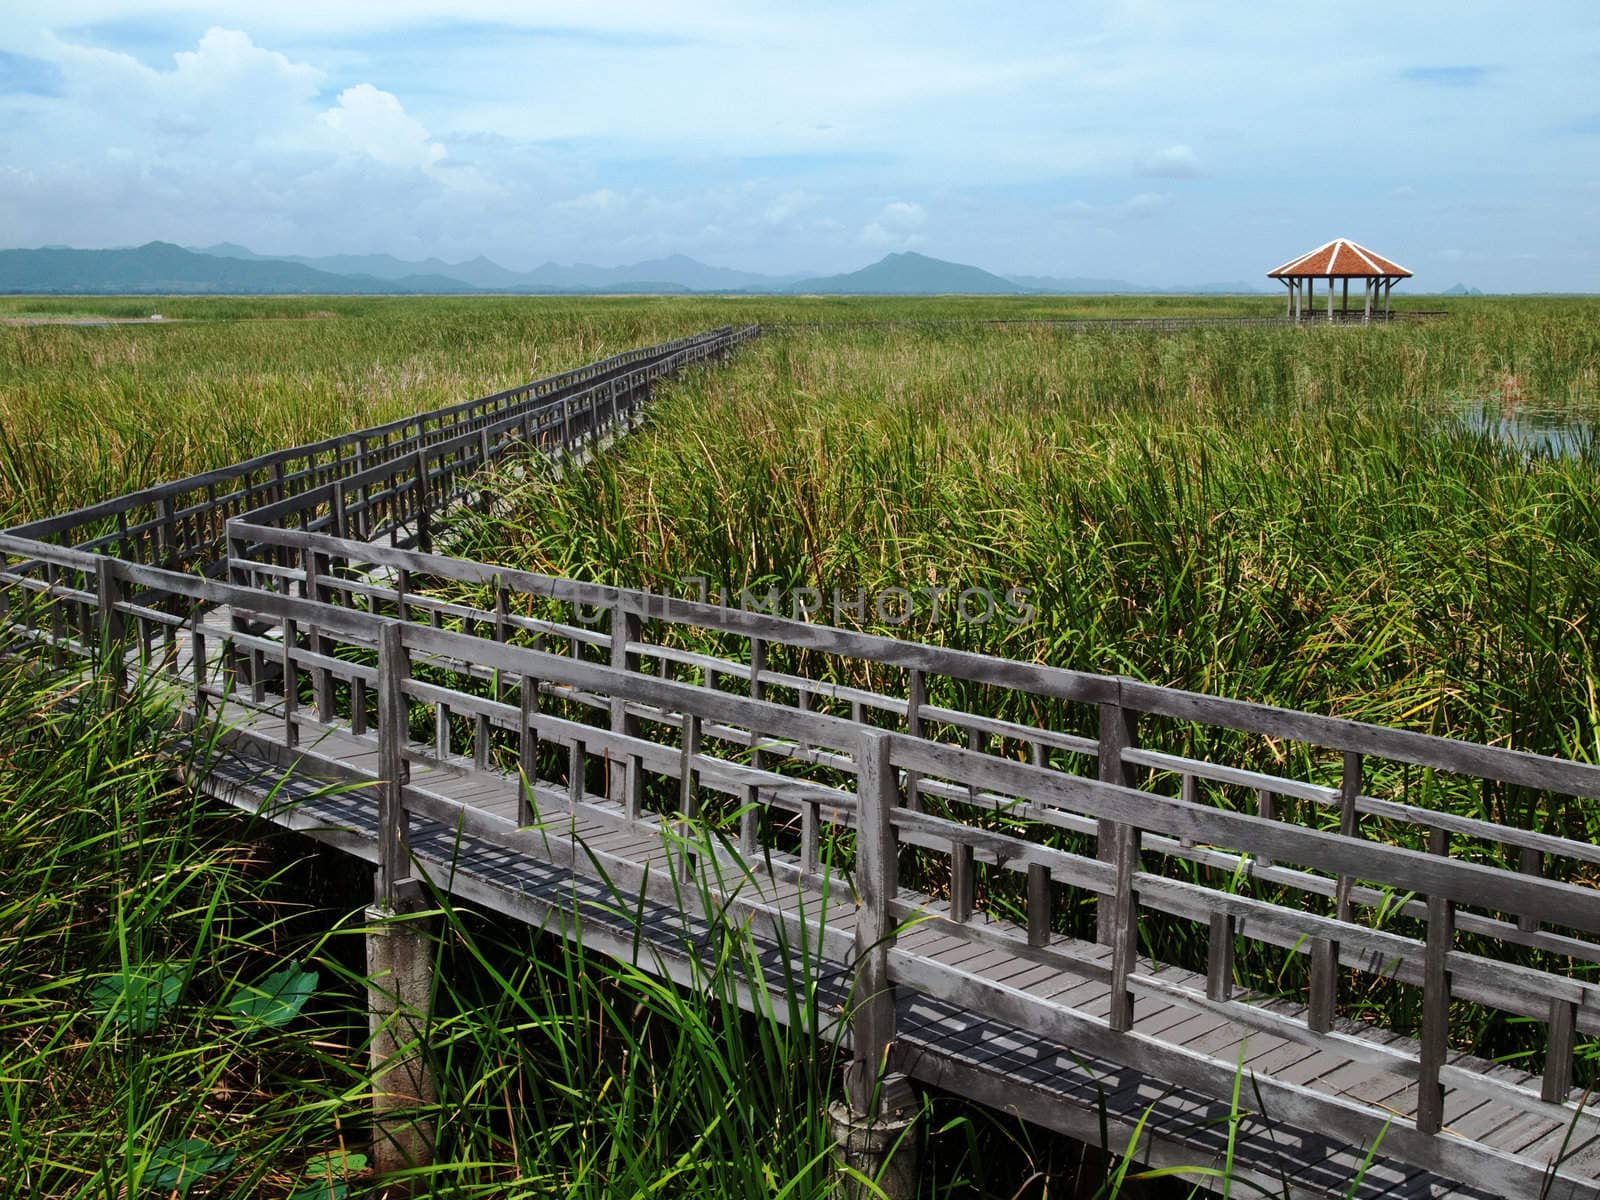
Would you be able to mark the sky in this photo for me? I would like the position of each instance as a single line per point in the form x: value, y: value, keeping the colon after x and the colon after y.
x: 1158, y: 143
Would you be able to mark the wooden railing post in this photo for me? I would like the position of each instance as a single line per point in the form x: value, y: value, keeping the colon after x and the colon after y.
x: 877, y: 881
x: 1118, y: 732
x: 394, y: 848
x: 1038, y: 905
x: 108, y: 595
x: 527, y: 749
x: 420, y: 486
x: 961, y: 882
x: 1349, y: 826
x: 1219, y: 957
x: 1125, y: 928
x: 1435, y: 1002
x: 626, y: 628
x: 1557, y: 1081
x: 314, y: 566
x: 916, y: 700
x: 758, y: 688
x: 291, y: 687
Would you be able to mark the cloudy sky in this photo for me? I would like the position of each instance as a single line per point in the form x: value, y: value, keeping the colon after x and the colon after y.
x: 1163, y: 143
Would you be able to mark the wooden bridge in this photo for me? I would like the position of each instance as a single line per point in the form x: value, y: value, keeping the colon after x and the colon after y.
x: 993, y: 871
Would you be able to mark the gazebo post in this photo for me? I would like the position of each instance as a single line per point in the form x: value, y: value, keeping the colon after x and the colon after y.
x: 1366, y: 314
x: 1288, y: 299
x: 1330, y: 299
x: 1344, y: 300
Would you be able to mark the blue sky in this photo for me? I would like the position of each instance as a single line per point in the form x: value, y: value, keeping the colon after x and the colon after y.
x: 1161, y: 143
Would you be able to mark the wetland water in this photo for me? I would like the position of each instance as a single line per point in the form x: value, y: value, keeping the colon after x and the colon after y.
x: 1537, y: 432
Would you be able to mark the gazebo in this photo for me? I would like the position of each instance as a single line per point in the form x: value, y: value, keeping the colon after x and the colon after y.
x: 1340, y: 259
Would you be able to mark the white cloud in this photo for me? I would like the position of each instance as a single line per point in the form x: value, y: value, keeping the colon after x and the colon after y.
x: 1173, y: 162
x: 373, y: 122
x: 895, y: 226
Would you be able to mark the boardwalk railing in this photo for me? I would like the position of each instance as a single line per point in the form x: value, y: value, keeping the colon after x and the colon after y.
x: 179, y: 525
x: 1072, y: 821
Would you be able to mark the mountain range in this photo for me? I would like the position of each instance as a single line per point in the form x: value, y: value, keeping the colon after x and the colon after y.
x: 161, y: 268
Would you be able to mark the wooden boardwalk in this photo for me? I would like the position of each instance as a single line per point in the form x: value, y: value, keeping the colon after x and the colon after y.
x: 918, y: 832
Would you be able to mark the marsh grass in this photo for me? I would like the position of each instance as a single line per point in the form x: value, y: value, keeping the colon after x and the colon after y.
x: 1290, y: 516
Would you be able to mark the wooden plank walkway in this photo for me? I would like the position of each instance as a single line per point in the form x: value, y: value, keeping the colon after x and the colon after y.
x: 947, y: 1045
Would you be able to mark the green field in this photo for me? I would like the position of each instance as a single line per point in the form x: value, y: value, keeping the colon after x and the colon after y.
x: 1358, y: 521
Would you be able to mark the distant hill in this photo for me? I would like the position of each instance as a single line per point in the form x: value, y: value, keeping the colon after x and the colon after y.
x: 1462, y: 289
x: 910, y: 274
x: 675, y: 273
x: 678, y: 269
x: 227, y: 267
x: 479, y: 272
x: 162, y: 268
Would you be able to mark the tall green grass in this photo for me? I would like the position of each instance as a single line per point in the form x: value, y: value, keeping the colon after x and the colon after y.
x: 1292, y: 516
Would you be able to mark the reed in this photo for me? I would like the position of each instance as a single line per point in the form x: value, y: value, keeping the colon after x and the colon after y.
x: 1301, y: 517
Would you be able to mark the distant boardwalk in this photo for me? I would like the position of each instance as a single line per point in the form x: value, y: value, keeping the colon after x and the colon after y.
x: 295, y: 600
x: 1115, y: 324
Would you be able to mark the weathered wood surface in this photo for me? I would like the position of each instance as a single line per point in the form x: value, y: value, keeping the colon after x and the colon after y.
x: 780, y: 767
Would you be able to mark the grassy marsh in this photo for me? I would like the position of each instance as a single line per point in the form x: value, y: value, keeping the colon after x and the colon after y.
x: 1290, y: 516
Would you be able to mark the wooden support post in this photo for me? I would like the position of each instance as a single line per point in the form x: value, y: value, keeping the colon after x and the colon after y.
x: 1118, y: 732
x: 872, y: 1018
x: 394, y: 772
x: 1219, y: 957
x: 399, y: 991
x: 1038, y: 905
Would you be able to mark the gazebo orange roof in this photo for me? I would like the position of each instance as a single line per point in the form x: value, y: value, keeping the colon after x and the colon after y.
x: 1340, y: 259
